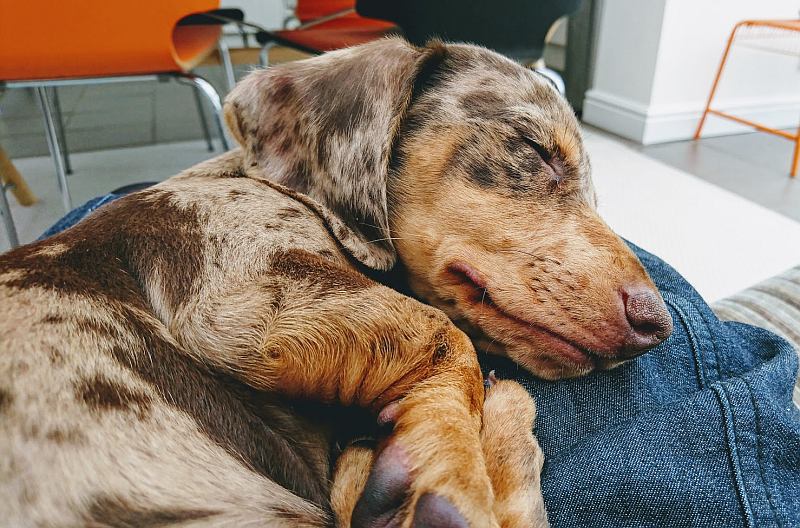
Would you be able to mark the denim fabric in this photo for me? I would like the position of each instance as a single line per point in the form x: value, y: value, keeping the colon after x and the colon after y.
x: 77, y: 214
x: 699, y: 432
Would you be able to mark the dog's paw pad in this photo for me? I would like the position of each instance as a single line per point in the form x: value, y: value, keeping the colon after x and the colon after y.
x: 434, y: 511
x: 385, y: 491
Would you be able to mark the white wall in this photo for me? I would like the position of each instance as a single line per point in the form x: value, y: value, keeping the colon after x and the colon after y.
x: 656, y: 61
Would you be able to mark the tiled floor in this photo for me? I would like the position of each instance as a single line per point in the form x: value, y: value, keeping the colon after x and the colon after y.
x: 754, y: 166
x: 105, y: 116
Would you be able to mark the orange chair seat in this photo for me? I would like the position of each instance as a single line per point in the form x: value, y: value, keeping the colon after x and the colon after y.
x: 310, y: 10
x: 52, y: 39
x: 342, y: 32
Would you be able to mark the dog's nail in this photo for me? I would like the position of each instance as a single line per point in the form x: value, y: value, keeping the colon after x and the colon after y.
x: 388, y: 414
x: 433, y: 511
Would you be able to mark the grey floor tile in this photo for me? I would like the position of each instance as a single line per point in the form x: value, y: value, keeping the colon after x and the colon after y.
x: 754, y: 166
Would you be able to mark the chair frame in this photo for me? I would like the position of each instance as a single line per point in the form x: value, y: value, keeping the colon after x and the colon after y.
x: 779, y: 24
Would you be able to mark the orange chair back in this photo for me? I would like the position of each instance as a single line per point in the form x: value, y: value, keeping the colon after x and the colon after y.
x: 308, y: 10
x: 47, y: 39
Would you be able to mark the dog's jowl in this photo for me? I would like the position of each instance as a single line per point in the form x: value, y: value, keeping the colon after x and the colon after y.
x: 218, y: 350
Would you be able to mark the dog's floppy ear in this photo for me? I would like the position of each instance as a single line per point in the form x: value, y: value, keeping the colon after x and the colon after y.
x: 325, y: 127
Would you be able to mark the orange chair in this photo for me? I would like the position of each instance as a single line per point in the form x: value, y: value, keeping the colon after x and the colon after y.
x: 325, y: 25
x: 764, y: 35
x: 49, y: 43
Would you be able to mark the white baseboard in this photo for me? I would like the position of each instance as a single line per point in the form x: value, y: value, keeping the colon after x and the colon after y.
x: 661, y: 124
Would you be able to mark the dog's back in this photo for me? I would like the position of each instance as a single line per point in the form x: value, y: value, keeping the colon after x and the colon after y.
x: 106, y: 419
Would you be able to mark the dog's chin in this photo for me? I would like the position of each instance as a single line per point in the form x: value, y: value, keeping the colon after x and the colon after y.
x: 542, y: 363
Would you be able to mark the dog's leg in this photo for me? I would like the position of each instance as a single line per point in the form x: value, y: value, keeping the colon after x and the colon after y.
x: 308, y: 328
x: 513, y: 456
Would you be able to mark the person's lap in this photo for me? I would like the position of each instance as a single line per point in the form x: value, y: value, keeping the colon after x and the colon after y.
x: 701, y: 431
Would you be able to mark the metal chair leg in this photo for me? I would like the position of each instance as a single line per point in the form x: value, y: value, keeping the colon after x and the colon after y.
x: 213, y: 97
x: 227, y: 64
x: 62, y: 135
x: 8, y: 220
x: 714, y: 86
x: 55, y: 150
x: 202, y: 115
x: 263, y: 55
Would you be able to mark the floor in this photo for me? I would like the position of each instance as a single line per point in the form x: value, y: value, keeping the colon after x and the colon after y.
x: 754, y: 166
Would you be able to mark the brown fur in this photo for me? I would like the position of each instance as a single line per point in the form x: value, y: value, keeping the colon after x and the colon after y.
x: 195, y: 354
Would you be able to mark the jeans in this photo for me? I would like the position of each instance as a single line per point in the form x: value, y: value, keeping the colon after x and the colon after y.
x: 699, y: 432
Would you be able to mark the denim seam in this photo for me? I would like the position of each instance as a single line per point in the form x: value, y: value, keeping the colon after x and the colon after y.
x: 698, y: 360
x: 759, y: 452
x: 722, y: 372
x: 733, y: 452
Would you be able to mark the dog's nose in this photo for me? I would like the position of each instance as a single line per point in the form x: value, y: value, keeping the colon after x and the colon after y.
x: 648, y: 317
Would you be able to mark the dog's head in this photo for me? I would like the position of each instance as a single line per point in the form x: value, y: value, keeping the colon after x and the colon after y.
x: 470, y: 170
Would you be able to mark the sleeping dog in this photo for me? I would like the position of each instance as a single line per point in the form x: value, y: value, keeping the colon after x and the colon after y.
x: 218, y: 350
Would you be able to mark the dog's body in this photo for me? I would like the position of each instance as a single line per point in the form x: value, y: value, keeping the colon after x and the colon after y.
x: 127, y: 339
x: 153, y: 355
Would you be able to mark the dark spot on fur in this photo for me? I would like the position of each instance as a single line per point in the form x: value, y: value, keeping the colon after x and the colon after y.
x: 53, y: 319
x: 299, y: 177
x: 96, y: 327
x: 286, y: 145
x: 303, y: 266
x: 112, y: 249
x: 55, y: 356
x: 235, y: 194
x: 118, y: 512
x: 481, y: 173
x: 290, y: 213
x: 101, y: 394
x: 482, y: 104
x: 327, y: 254
x: 66, y: 436
x: 297, y: 517
x: 282, y: 91
x: 6, y: 399
x: 441, y: 348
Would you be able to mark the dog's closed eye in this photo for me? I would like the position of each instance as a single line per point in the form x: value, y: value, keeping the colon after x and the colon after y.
x: 551, y: 161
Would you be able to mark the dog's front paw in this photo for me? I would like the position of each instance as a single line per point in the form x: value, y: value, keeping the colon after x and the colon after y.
x: 390, y: 498
x: 513, y: 456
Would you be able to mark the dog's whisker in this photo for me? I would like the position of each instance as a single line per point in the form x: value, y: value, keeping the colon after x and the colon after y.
x: 383, y: 239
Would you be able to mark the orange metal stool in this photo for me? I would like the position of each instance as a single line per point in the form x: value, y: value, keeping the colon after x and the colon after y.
x: 770, y: 28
